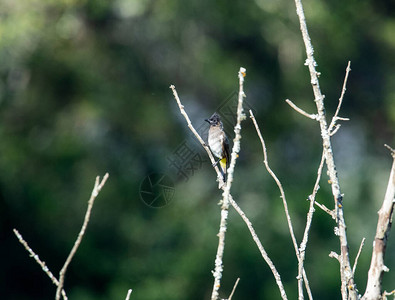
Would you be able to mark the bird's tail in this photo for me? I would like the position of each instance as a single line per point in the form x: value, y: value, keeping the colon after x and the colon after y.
x: 224, y: 166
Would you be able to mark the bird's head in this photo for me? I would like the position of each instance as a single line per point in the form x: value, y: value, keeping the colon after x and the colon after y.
x: 214, y: 120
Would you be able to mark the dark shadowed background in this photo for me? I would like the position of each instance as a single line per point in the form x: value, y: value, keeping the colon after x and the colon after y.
x: 84, y: 90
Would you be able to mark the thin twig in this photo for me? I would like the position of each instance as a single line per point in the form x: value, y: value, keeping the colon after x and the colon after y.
x: 40, y: 262
x: 225, y: 196
x: 303, y: 244
x: 336, y: 115
x: 234, y: 289
x: 98, y: 186
x: 348, y: 287
x: 279, y: 185
x: 388, y: 293
x: 391, y: 149
x: 357, y: 257
x: 301, y: 111
x: 325, y: 209
x: 128, y: 295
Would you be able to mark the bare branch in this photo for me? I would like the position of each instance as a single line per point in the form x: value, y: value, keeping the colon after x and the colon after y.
x: 336, y: 115
x: 234, y: 289
x: 236, y: 141
x: 348, y: 288
x: 128, y: 295
x: 302, y: 248
x: 280, y: 187
x: 225, y: 196
x: 388, y: 294
x: 325, y: 209
x: 317, y: 187
x: 377, y: 267
x: 40, y: 262
x: 217, y: 273
x: 391, y: 149
x: 59, y: 283
x: 301, y: 111
x: 98, y: 186
x: 357, y: 257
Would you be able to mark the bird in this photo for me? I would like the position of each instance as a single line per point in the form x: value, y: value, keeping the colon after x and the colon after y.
x: 218, y: 143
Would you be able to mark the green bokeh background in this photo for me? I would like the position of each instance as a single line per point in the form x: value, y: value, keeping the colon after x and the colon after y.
x: 84, y: 90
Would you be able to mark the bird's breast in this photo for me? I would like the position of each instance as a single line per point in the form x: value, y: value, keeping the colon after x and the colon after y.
x: 215, y: 140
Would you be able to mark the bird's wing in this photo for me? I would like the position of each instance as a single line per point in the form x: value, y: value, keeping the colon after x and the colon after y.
x: 225, y: 151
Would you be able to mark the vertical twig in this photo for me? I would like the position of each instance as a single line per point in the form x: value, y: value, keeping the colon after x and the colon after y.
x: 377, y: 266
x: 336, y: 115
x: 302, y: 248
x: 98, y: 186
x: 354, y: 267
x: 347, y: 279
x: 280, y: 187
x: 128, y: 294
x: 225, y: 200
x: 236, y: 141
x: 234, y: 289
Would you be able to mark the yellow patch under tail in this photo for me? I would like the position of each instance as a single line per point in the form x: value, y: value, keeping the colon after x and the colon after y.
x: 222, y: 163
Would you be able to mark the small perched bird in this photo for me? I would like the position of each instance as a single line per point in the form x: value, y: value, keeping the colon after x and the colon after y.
x: 218, y: 143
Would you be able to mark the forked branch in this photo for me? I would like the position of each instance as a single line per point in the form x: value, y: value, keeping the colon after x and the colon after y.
x: 348, y: 288
x: 96, y: 190
x: 59, y: 283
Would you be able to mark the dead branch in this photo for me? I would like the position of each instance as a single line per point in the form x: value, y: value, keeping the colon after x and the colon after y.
x: 59, y: 283
x: 348, y: 288
x: 377, y: 266
x: 225, y: 196
x: 96, y: 190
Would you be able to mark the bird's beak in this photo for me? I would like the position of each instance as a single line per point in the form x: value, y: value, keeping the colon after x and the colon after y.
x: 207, y: 120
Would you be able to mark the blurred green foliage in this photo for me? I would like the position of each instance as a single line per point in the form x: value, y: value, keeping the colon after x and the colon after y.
x: 84, y: 91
